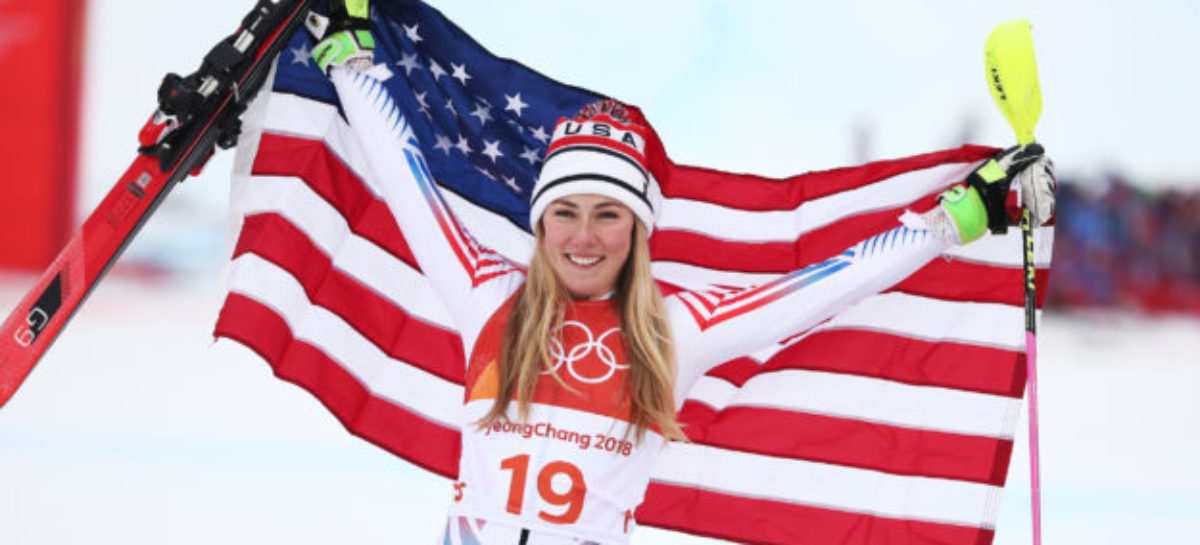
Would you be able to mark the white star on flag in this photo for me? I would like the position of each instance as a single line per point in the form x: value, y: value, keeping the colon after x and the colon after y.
x: 540, y: 134
x: 436, y: 69
x: 411, y: 32
x: 531, y: 155
x: 460, y: 73
x: 463, y: 146
x: 300, y: 55
x: 515, y: 104
x: 481, y: 112
x: 409, y: 62
x: 492, y: 150
x: 443, y: 143
x: 512, y: 182
x: 450, y: 107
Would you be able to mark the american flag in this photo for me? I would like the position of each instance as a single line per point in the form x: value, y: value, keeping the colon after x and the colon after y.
x: 891, y: 422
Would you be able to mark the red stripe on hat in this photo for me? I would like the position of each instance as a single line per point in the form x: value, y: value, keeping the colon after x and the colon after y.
x: 586, y: 139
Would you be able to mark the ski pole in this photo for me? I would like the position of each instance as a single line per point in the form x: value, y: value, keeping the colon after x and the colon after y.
x: 1013, y: 82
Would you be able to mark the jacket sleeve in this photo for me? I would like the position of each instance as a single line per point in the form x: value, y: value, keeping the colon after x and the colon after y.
x: 469, y: 278
x: 714, y: 326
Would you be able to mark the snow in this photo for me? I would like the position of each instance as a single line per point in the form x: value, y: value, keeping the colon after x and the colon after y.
x: 137, y: 428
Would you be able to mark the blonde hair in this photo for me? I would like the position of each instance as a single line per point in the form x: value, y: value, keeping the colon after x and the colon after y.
x: 537, y: 313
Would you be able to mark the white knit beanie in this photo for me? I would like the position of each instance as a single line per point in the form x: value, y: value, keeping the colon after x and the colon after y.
x: 602, y: 155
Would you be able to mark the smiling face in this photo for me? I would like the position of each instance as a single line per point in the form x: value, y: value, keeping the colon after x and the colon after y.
x: 586, y: 240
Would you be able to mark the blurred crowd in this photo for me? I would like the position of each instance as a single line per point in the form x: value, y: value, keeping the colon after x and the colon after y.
x: 1121, y: 247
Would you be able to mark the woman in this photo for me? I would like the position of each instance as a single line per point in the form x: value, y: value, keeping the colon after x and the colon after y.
x: 576, y: 366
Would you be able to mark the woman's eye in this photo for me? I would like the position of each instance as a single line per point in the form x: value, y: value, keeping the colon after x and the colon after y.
x: 609, y: 215
x: 564, y: 213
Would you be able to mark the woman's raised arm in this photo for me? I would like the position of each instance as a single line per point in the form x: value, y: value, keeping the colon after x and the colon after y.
x: 465, y: 275
x: 715, y: 326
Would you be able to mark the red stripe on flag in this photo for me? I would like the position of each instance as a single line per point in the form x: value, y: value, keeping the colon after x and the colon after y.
x: 887, y: 356
x: 773, y: 257
x: 959, y: 280
x: 762, y: 521
x: 851, y: 443
x: 324, y: 172
x: 952, y: 280
x: 918, y: 362
x: 388, y: 326
x: 750, y: 192
x: 396, y: 429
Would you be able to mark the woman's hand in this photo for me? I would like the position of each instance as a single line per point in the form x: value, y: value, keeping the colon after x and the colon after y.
x: 1034, y: 173
x: 1036, y: 185
x: 348, y: 40
x: 981, y: 205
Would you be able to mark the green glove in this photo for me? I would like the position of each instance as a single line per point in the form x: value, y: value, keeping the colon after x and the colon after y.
x: 966, y: 210
x: 348, y: 40
x: 982, y: 204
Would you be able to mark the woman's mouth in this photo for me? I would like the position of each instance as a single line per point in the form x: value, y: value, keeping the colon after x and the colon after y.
x: 584, y: 261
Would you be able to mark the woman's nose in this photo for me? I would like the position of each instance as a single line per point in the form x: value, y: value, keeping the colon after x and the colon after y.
x: 583, y: 233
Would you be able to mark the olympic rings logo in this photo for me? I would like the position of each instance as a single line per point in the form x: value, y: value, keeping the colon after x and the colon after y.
x: 569, y: 358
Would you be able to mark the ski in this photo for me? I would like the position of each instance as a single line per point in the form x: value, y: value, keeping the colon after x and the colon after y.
x: 195, y: 114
